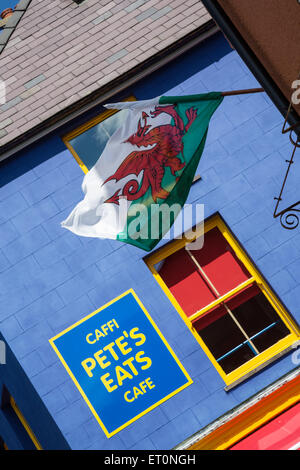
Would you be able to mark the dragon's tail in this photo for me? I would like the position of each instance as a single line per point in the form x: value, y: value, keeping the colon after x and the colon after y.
x: 114, y: 198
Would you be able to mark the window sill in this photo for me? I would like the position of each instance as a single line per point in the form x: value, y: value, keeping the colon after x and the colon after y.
x: 262, y: 366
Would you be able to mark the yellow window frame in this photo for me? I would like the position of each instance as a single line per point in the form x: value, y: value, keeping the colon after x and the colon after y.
x: 86, y: 126
x: 24, y: 423
x: 263, y: 358
x: 4, y: 446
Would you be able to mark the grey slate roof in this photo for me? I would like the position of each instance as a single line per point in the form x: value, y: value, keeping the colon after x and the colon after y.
x: 10, y: 23
x: 61, y: 52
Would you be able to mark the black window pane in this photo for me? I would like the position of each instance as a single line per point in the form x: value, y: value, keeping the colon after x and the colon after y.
x: 236, y: 359
x: 257, y: 314
x: 225, y: 340
x: 271, y: 336
x: 222, y: 336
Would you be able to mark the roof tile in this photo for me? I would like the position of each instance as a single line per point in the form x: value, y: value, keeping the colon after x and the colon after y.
x: 65, y: 51
x: 34, y: 81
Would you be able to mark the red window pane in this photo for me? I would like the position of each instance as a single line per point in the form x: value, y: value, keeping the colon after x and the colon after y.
x: 217, y: 312
x: 185, y: 282
x: 220, y: 263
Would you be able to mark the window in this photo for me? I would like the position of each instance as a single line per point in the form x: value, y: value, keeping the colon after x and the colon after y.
x: 17, y: 421
x: 224, y: 300
x: 3, y: 446
x: 88, y: 141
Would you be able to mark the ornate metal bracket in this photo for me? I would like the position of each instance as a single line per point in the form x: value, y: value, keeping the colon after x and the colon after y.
x: 289, y: 217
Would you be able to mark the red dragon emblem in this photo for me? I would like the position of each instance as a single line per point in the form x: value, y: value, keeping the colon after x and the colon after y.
x: 167, y: 141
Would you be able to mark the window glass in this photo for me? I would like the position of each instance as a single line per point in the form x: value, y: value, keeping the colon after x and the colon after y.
x: 190, y: 286
x: 90, y: 144
x: 220, y: 263
x: 185, y: 282
x: 257, y: 315
x: 18, y: 422
x: 224, y: 301
x: 234, y: 336
x: 2, y: 444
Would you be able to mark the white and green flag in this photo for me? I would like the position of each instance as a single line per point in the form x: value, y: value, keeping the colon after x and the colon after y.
x: 149, y: 161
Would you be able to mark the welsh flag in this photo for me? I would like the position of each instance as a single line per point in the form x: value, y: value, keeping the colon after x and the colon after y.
x: 149, y: 161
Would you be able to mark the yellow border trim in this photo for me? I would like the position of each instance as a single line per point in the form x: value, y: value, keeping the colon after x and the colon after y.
x: 222, y: 298
x: 189, y: 380
x: 256, y: 277
x: 86, y: 126
x: 251, y: 419
x: 24, y: 423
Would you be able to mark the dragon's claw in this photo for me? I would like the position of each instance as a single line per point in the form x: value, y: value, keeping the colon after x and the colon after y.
x: 155, y: 112
x: 191, y: 114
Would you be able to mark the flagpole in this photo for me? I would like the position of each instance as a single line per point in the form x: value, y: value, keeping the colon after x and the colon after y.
x: 242, y: 92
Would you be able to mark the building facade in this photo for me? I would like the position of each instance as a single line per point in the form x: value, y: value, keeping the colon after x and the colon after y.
x: 222, y: 321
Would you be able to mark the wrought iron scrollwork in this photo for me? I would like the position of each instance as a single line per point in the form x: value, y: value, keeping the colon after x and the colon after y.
x: 290, y: 216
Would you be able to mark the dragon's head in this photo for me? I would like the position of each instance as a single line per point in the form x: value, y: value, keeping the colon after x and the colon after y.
x: 139, y: 137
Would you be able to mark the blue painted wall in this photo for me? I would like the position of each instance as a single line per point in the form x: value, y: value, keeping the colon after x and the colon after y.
x: 49, y: 278
x: 18, y: 385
